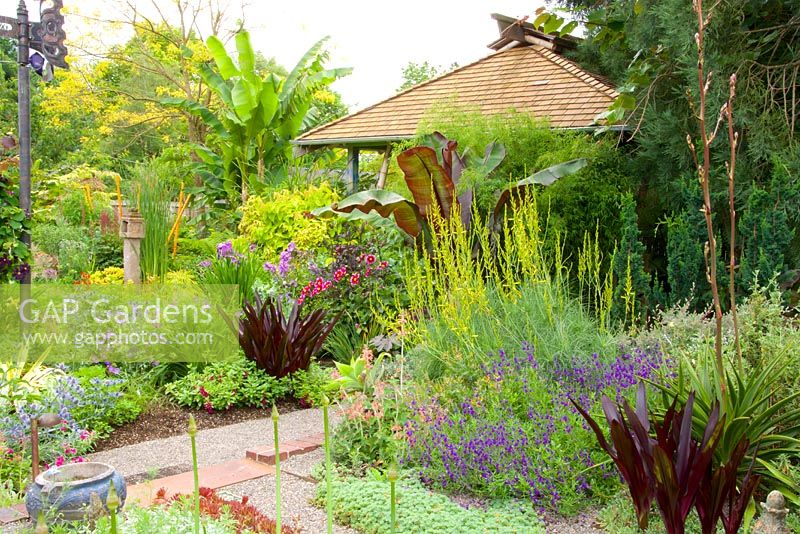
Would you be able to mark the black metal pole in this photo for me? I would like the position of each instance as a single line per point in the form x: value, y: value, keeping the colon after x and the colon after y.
x: 24, y: 101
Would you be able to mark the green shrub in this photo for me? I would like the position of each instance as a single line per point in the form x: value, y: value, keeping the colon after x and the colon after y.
x: 685, y: 262
x: 176, y: 165
x: 575, y: 203
x: 765, y: 234
x: 308, y: 386
x: 192, y: 251
x: 49, y: 190
x: 180, y: 277
x: 241, y: 384
x: 74, y: 258
x: 364, y: 505
x: 95, y: 249
x: 632, y: 292
x: 48, y: 236
x: 79, y: 208
x: 127, y: 406
x: 275, y: 221
x: 558, y: 331
x: 107, y: 250
x: 763, y: 383
x: 221, y: 386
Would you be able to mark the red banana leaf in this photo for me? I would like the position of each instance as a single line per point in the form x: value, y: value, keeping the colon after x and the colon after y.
x: 427, y: 180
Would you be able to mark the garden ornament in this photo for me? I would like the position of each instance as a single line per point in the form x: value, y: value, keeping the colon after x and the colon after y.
x: 131, y: 230
x: 773, y: 518
x: 75, y: 492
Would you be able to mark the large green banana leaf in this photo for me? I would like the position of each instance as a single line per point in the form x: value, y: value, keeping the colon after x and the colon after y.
x: 258, y: 115
x: 198, y: 110
x: 227, y: 68
x: 544, y: 177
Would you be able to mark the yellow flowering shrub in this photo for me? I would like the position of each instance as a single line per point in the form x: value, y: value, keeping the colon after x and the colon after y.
x: 273, y: 222
x: 109, y: 275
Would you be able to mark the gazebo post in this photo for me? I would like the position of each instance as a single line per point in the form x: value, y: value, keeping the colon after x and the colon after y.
x: 387, y: 155
x: 352, y: 168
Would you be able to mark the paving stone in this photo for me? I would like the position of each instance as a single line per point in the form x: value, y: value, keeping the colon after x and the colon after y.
x: 214, y: 477
x: 13, y: 513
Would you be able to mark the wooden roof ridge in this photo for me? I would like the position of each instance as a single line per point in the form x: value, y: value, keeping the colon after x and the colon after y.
x: 531, y: 78
x: 598, y: 82
x: 398, y: 95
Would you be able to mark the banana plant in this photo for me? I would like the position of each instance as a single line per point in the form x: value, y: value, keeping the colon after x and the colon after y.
x: 433, y: 172
x: 257, y: 116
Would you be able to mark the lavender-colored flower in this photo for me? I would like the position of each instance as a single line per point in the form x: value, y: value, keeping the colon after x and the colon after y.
x: 112, y: 370
x: 270, y: 267
x: 50, y: 274
x: 205, y: 264
x: 518, y: 430
x: 285, y: 260
x: 224, y: 249
x: 253, y: 247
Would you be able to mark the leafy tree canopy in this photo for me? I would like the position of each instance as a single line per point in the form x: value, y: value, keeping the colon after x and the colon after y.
x: 416, y: 73
x: 648, y: 48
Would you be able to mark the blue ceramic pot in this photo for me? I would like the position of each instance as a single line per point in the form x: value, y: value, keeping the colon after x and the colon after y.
x: 65, y: 492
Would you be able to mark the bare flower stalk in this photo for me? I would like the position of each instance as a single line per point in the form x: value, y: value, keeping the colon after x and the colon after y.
x: 730, y: 166
x: 704, y: 174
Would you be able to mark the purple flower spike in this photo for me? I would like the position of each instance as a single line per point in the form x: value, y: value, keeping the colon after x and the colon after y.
x: 285, y: 259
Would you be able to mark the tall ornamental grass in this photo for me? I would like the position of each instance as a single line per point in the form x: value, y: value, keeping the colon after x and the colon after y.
x: 475, y: 291
x: 152, y: 196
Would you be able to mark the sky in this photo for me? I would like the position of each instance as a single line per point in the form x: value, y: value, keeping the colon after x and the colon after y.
x: 378, y: 38
x: 375, y: 38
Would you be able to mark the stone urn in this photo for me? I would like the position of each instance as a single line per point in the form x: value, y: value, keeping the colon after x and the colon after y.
x: 74, y: 492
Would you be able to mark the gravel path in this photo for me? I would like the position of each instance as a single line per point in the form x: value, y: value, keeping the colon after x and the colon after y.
x: 214, y: 445
x: 296, y: 492
x: 581, y: 524
x: 217, y: 445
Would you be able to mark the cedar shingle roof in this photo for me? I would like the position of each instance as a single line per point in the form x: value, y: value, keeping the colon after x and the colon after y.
x: 529, y: 79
